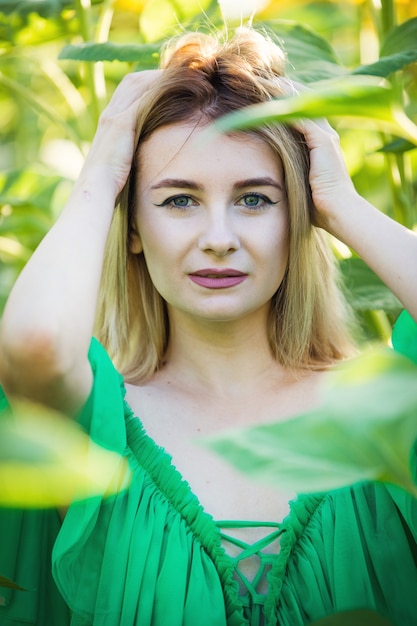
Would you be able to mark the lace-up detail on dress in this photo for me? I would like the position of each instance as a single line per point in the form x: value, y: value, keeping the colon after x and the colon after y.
x: 253, y: 562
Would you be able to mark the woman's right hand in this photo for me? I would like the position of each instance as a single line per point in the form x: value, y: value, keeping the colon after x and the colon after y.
x: 113, y: 146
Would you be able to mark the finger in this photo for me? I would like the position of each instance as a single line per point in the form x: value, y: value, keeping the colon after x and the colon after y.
x: 131, y: 88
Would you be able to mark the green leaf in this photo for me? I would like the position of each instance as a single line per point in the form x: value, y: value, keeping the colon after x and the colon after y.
x: 310, y: 56
x: 398, y: 146
x: 363, y: 430
x: 366, y: 291
x: 14, y: 250
x: 145, y: 55
x: 45, y: 8
x: 9, y: 584
x: 388, y: 64
x: 353, y: 96
x: 301, y: 42
x: 400, y: 38
x: 40, y: 106
x: 46, y: 460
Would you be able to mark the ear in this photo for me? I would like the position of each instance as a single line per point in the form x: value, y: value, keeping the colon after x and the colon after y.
x: 135, y: 242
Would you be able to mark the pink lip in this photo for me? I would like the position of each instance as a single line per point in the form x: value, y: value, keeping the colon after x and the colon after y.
x: 218, y: 278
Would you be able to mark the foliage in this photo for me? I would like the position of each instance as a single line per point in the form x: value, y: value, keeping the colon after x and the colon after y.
x: 46, y: 460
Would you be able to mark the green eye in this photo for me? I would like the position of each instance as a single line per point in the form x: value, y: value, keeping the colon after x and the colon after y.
x: 178, y: 202
x: 252, y: 200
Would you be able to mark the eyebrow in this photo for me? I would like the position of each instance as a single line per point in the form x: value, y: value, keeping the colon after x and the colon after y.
x: 179, y: 183
x: 182, y: 183
x: 264, y: 181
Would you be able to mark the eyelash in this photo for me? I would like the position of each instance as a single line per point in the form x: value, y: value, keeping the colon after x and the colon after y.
x: 169, y: 202
x: 255, y: 194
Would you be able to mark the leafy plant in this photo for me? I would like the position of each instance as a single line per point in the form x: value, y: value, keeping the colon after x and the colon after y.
x: 46, y: 460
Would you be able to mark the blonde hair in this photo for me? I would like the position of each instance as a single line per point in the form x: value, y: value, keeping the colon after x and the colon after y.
x: 204, y: 79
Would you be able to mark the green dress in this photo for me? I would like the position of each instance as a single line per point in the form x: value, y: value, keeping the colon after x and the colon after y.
x: 151, y: 556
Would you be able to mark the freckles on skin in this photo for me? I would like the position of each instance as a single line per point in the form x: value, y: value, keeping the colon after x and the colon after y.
x: 215, y: 202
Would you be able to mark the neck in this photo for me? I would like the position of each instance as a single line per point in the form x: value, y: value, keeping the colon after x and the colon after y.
x: 225, y: 359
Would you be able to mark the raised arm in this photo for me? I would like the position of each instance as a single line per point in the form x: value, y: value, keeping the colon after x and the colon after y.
x: 386, y: 246
x: 49, y: 317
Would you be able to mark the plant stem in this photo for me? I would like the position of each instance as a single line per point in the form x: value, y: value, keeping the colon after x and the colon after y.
x: 378, y: 320
x: 83, y: 8
x: 388, y: 16
x: 398, y: 177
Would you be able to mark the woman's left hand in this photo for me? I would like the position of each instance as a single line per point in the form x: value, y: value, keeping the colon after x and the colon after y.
x: 386, y: 246
x: 329, y: 179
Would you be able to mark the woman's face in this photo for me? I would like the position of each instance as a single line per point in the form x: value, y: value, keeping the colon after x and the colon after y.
x: 212, y: 222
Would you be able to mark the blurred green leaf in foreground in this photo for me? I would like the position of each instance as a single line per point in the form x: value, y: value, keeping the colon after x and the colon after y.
x: 46, y: 460
x: 351, y: 96
x: 364, y: 429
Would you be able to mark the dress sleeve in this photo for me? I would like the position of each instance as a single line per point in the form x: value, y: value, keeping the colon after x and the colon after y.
x: 103, y: 418
x: 404, y: 336
x: 28, y: 537
x: 404, y: 340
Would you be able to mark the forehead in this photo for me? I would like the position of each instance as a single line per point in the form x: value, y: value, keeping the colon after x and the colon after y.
x: 202, y: 151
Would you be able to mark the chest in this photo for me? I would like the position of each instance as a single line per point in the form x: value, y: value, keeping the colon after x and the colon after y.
x: 224, y: 493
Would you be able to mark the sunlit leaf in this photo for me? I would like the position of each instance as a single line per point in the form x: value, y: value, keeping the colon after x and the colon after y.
x: 46, y: 460
x: 401, y: 38
x: 349, y: 97
x: 301, y: 41
x: 310, y: 56
x: 398, y: 146
x: 38, y: 29
x: 25, y: 7
x: 14, y: 249
x: 365, y: 289
x: 389, y: 64
x: 363, y: 430
x: 41, y: 106
x: 144, y: 55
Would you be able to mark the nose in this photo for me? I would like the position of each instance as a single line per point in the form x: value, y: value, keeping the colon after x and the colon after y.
x: 219, y: 235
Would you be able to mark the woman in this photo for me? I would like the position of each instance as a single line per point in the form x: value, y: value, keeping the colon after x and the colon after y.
x: 219, y: 307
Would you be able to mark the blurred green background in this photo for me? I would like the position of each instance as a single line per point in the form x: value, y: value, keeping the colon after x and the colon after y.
x: 60, y: 60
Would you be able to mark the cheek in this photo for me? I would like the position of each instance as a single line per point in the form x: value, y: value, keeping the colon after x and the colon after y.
x: 279, y: 237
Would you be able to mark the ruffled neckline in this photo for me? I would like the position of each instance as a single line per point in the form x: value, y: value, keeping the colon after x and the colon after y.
x: 157, y: 463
